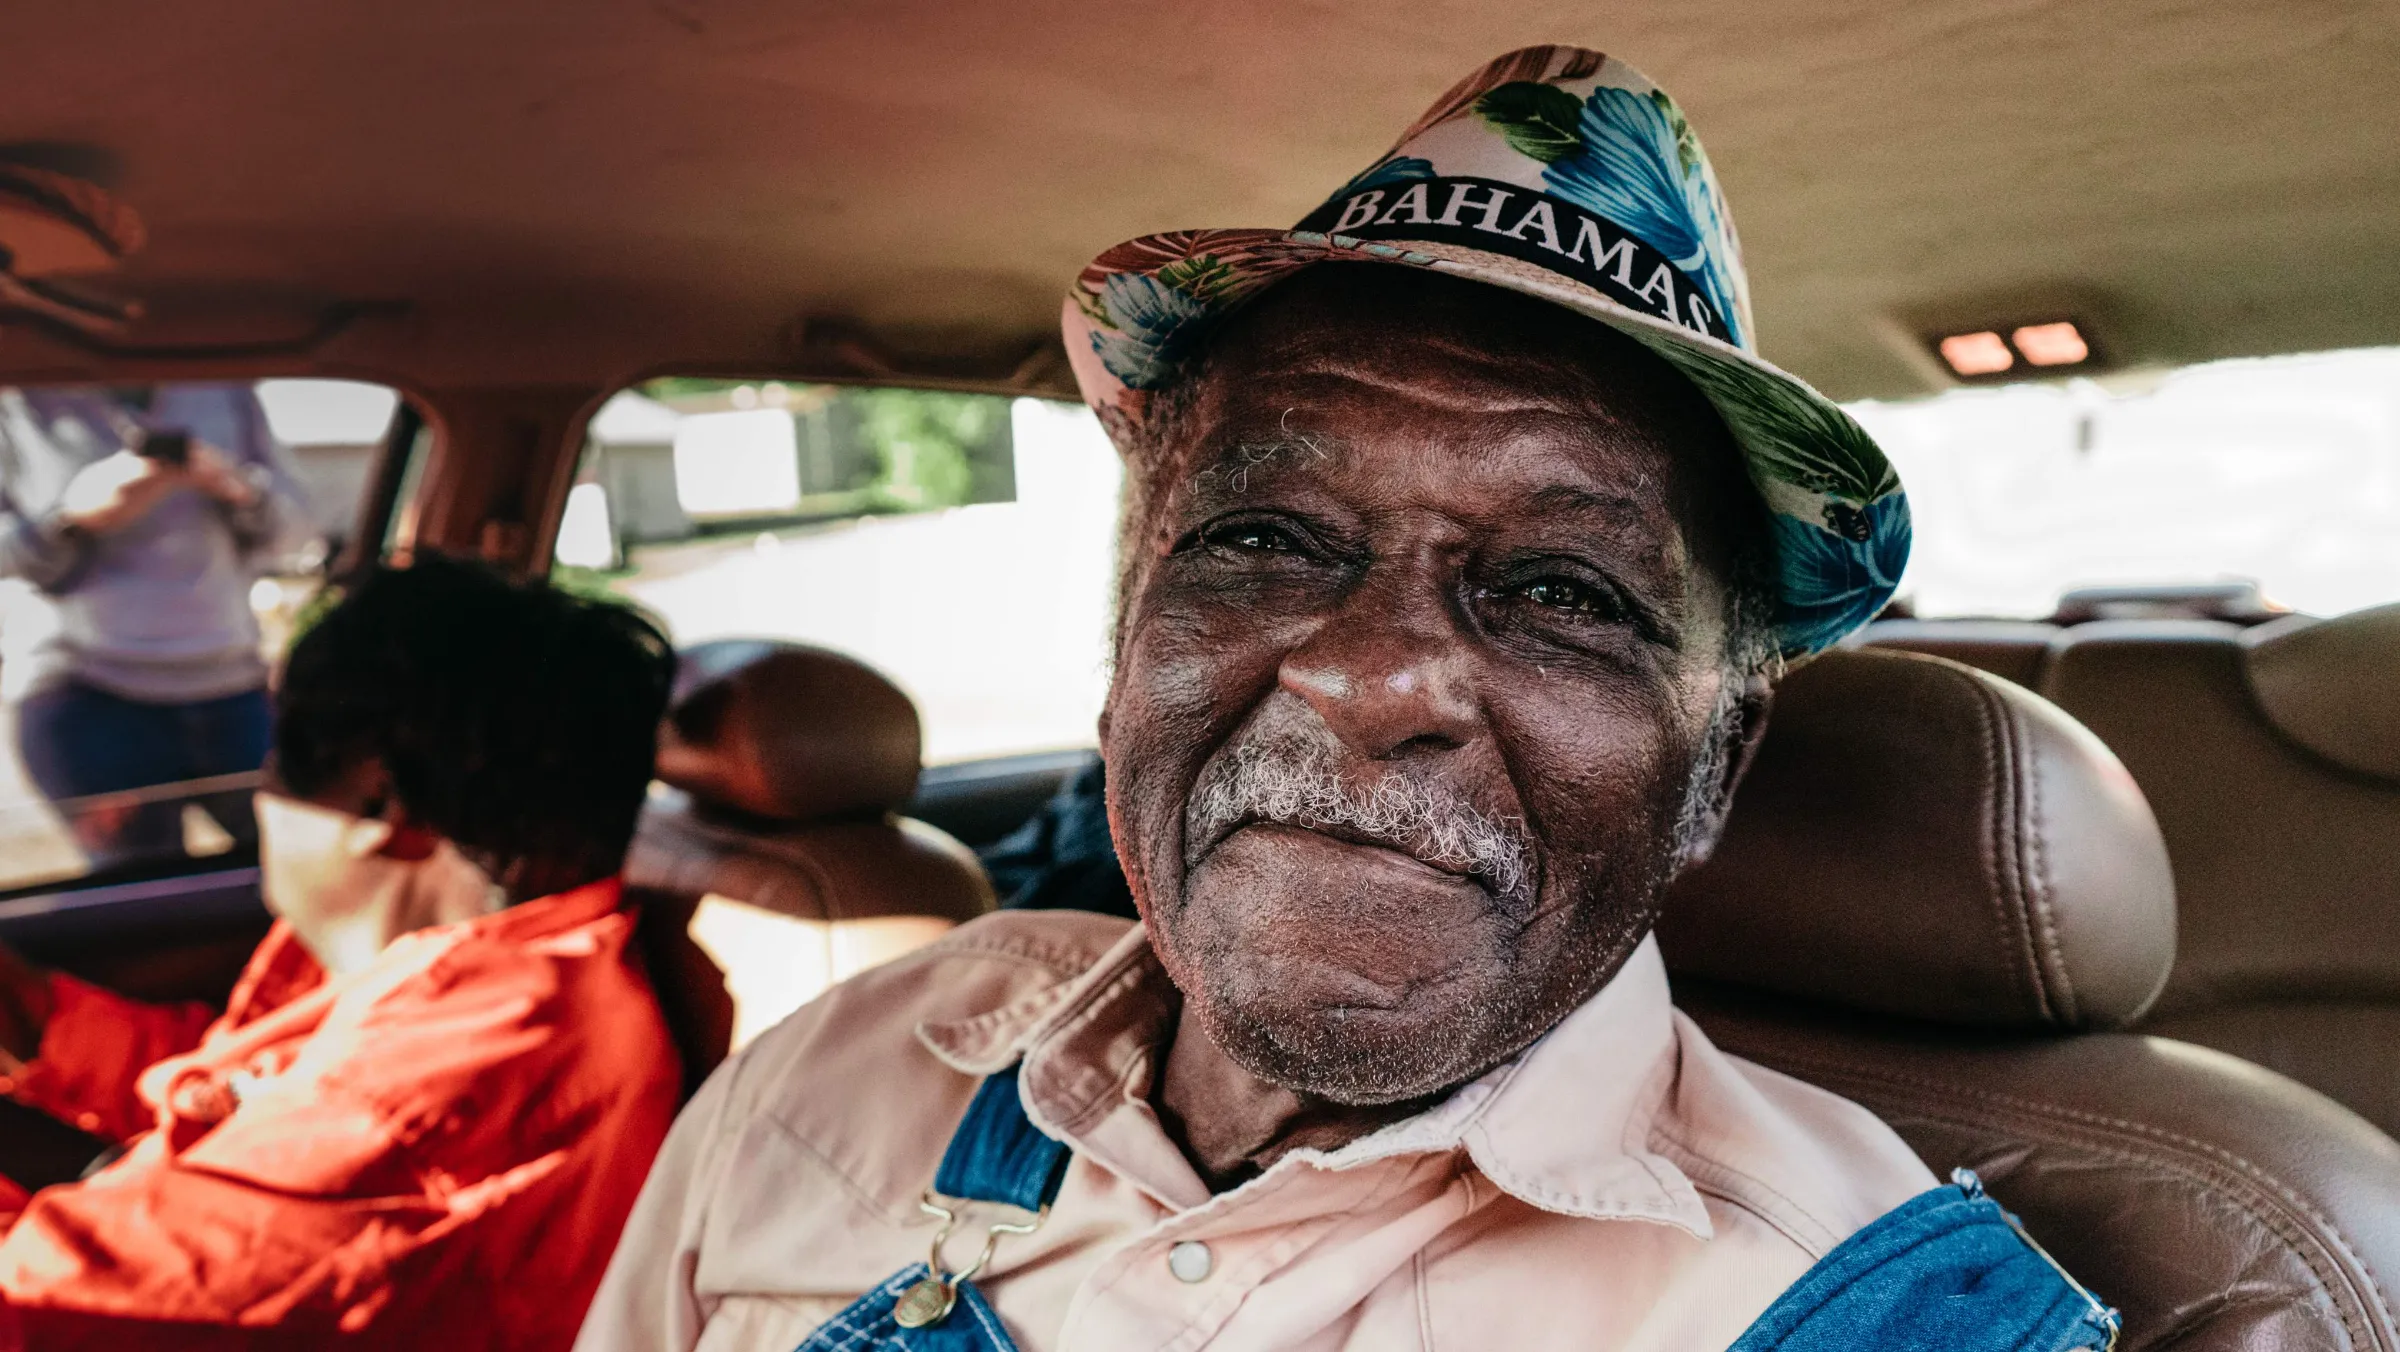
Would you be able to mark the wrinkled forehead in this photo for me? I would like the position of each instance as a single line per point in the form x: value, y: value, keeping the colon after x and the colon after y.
x: 1350, y: 354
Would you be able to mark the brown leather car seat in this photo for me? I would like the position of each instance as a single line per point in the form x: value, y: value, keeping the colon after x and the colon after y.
x: 774, y: 833
x: 1939, y: 896
x: 2017, y: 650
x: 2272, y: 758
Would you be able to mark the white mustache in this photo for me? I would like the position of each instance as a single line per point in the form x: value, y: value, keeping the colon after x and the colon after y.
x: 1290, y: 781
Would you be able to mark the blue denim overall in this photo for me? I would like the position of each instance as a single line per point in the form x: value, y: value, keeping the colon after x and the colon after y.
x: 996, y: 1155
x: 1947, y: 1269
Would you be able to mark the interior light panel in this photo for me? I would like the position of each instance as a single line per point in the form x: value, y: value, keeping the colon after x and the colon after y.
x: 1977, y: 354
x: 1986, y: 355
x: 2054, y: 344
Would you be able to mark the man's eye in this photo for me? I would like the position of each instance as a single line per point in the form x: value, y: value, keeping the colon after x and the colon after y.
x: 1558, y: 593
x: 1253, y: 536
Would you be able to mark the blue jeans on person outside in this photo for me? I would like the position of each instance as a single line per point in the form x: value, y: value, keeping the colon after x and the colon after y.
x: 79, y: 742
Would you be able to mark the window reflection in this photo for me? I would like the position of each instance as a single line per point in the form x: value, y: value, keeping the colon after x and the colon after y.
x: 157, y: 545
x: 961, y: 544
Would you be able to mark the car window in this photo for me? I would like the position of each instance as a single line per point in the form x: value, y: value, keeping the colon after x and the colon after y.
x: 158, y: 546
x: 960, y: 543
x: 2283, y: 472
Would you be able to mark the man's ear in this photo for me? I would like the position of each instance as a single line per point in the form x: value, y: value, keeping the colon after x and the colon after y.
x: 366, y: 838
x: 1741, y: 731
x: 1750, y: 713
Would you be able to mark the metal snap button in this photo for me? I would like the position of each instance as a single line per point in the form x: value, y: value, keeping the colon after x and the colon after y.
x: 927, y: 1302
x: 1191, y: 1261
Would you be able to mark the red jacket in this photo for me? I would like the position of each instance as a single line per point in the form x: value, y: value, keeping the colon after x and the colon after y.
x: 435, y: 1152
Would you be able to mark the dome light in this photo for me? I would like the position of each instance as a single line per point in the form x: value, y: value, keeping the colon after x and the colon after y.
x: 1977, y: 354
x: 2058, y: 343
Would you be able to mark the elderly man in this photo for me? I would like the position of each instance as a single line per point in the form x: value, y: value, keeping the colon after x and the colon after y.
x: 1448, y: 620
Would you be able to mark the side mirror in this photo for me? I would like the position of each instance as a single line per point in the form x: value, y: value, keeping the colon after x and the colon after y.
x: 587, y: 534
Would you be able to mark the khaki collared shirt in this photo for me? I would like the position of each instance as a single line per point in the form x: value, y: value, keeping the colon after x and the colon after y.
x: 1621, y: 1185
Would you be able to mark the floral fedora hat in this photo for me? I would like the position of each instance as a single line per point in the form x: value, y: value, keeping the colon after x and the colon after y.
x: 1562, y: 174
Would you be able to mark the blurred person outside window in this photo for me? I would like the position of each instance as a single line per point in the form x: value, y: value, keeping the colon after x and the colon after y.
x: 151, y: 672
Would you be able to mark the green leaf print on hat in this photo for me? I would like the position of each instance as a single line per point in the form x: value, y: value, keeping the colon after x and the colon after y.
x: 1786, y: 436
x: 1203, y: 277
x: 1538, y: 119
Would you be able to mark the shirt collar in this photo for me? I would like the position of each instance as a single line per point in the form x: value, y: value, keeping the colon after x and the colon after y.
x: 1564, y: 1126
x: 997, y: 1038
x: 282, y: 969
x: 553, y: 914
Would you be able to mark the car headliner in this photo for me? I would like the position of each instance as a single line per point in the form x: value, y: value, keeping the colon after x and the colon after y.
x: 573, y: 193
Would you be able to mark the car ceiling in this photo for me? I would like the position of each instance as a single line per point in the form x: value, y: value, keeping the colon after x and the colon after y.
x: 577, y: 193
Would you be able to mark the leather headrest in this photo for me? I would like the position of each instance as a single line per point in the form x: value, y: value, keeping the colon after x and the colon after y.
x: 2333, y: 686
x: 788, y: 732
x: 1922, y: 839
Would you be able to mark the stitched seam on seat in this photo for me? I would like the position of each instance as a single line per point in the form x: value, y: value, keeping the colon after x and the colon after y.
x: 2020, y: 848
x: 2102, y: 1123
x: 1999, y: 872
x: 730, y: 851
x: 2348, y: 1295
x: 2262, y: 1185
x: 2039, y: 888
x: 2202, y: 1316
x: 822, y: 881
x: 734, y: 841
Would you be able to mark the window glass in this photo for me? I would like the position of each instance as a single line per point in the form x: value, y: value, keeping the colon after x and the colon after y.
x: 961, y: 544
x: 2283, y: 472
x: 158, y: 545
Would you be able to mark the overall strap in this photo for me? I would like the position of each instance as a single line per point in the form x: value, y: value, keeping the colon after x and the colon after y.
x: 1947, y: 1268
x: 997, y: 1155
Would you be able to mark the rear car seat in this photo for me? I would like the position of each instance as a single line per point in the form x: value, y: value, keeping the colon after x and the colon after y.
x: 1941, y: 897
x: 2015, y: 650
x: 2272, y: 757
x: 2271, y: 754
x: 771, y: 858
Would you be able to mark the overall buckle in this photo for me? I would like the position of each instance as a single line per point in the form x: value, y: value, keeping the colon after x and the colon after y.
x: 930, y: 1300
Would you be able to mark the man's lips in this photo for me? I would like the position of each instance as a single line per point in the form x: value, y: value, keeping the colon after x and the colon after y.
x: 1348, y: 835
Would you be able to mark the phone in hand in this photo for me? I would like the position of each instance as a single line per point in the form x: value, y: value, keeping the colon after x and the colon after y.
x: 167, y: 448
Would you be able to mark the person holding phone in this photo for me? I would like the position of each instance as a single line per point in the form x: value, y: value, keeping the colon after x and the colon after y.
x: 141, y: 519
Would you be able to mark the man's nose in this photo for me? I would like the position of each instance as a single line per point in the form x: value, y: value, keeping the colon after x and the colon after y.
x: 1389, y: 673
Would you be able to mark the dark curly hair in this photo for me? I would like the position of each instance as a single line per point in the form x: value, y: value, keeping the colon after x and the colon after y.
x: 517, y: 720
